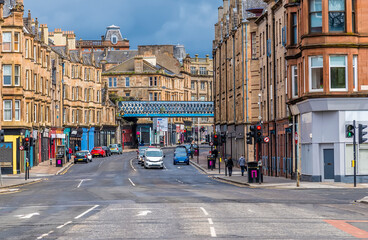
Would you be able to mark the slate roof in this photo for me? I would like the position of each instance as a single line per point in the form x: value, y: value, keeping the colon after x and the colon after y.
x: 113, y: 30
x: 115, y: 56
x: 8, y: 6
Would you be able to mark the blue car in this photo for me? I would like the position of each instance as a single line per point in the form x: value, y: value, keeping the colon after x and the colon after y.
x: 181, y: 157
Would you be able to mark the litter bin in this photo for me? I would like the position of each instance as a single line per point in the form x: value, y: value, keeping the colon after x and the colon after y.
x: 253, y: 172
x: 211, y: 162
x: 196, y: 151
x: 59, y: 160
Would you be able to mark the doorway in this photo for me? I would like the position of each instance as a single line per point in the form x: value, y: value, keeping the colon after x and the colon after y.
x: 328, y: 158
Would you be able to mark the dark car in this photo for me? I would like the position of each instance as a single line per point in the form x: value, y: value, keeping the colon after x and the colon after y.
x: 81, y: 156
x: 107, y: 150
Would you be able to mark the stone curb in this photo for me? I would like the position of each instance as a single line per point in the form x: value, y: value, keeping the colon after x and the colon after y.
x: 23, y: 184
x: 198, y: 166
x: 65, y: 167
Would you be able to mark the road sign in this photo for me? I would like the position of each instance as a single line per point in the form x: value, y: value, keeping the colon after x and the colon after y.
x: 211, y: 144
x: 266, y: 139
x: 21, y: 148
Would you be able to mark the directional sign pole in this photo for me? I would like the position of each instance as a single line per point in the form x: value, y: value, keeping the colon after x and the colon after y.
x: 354, y: 143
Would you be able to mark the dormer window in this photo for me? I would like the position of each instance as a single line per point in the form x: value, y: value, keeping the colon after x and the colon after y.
x: 114, y: 39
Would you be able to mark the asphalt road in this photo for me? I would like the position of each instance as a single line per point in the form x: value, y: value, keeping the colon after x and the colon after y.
x: 114, y: 198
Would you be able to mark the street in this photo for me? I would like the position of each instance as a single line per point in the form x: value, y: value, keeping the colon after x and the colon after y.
x: 115, y: 198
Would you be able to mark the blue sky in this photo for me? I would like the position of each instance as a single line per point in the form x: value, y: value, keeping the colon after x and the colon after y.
x: 143, y: 22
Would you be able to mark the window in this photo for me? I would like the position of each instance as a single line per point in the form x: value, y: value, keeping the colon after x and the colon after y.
x: 35, y: 82
x: 8, y: 110
x: 115, y: 82
x: 316, y: 73
x: 294, y: 77
x: 127, y: 94
x: 7, y: 75
x: 150, y: 81
x: 47, y: 113
x: 73, y: 116
x: 294, y: 29
x: 72, y: 93
x: 355, y: 72
x: 98, y: 76
x: 110, y: 82
x: 155, y: 99
x: 98, y: 96
x: 35, y: 53
x: 127, y: 82
x: 155, y: 82
x: 193, y: 98
x: 192, y: 70
x: 64, y: 115
x: 27, y: 48
x: 77, y: 93
x: 193, y: 85
x: 254, y: 45
x: 41, y: 85
x: 315, y: 16
x: 202, y: 85
x: 17, y: 75
x: 114, y: 39
x: 27, y: 80
x: 150, y: 97
x: 16, y: 42
x: 336, y: 15
x: 27, y: 113
x: 202, y: 71
x: 7, y: 39
x: 353, y: 15
x: 17, y: 110
x: 85, y: 94
x: 85, y: 116
x: 338, y: 73
x: 203, y: 98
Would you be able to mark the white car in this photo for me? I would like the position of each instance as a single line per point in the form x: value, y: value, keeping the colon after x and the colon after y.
x: 154, y: 158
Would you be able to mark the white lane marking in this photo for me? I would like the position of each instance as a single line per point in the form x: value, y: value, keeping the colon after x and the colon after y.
x: 179, y: 181
x: 213, y: 232
x: 81, y: 215
x: 210, y: 221
x: 99, y: 165
x: 61, y: 226
x: 45, y: 235
x: 204, y: 211
x: 27, y: 216
x: 130, y: 180
x: 143, y: 213
x: 165, y: 167
x: 131, y: 164
x: 82, y: 182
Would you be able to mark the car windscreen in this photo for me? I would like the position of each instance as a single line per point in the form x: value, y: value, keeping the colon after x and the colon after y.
x: 181, y: 154
x: 98, y: 148
x: 153, y: 154
x: 142, y: 148
x: 180, y: 149
x: 113, y: 146
x: 80, y: 154
x: 141, y: 152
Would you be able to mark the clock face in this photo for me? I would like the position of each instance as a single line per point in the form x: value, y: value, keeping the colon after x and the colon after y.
x: 114, y: 39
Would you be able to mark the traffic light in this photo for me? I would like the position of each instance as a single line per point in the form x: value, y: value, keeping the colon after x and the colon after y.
x: 223, y: 138
x: 26, y: 143
x: 362, y: 133
x: 258, y: 135
x: 2, y: 137
x: 32, y: 142
x: 155, y: 132
x: 215, y: 140
x: 249, y: 138
x: 350, y: 131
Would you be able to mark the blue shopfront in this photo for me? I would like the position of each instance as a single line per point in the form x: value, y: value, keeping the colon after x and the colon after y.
x: 88, y: 139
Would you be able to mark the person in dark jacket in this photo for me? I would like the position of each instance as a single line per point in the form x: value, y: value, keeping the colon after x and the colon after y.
x: 230, y: 165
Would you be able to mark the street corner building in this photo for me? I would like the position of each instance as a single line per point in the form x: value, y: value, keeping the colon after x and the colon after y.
x: 305, y: 81
x: 50, y: 92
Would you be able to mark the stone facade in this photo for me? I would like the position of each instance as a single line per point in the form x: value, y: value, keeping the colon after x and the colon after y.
x: 39, y: 92
x: 236, y: 75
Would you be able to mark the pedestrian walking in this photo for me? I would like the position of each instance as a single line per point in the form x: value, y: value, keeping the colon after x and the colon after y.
x: 70, y: 153
x: 230, y: 165
x: 241, y: 163
x: 76, y: 148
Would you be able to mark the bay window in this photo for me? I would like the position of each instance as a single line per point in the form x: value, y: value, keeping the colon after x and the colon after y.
x: 336, y: 15
x: 316, y: 73
x: 315, y: 16
x: 338, y: 73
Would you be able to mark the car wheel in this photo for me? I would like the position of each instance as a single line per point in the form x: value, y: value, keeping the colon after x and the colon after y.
x: 104, y: 155
x: 75, y: 162
x: 174, y: 163
x: 187, y: 163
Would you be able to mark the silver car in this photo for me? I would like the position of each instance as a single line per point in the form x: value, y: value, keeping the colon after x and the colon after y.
x: 154, y: 158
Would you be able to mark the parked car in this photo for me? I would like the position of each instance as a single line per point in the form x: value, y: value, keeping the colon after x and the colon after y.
x: 154, y: 158
x: 89, y: 155
x: 116, y: 148
x: 107, y: 150
x: 98, y: 152
x: 81, y: 156
x: 181, y: 157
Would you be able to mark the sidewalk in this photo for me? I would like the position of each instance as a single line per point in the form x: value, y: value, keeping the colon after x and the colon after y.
x: 268, y: 182
x: 10, y: 183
